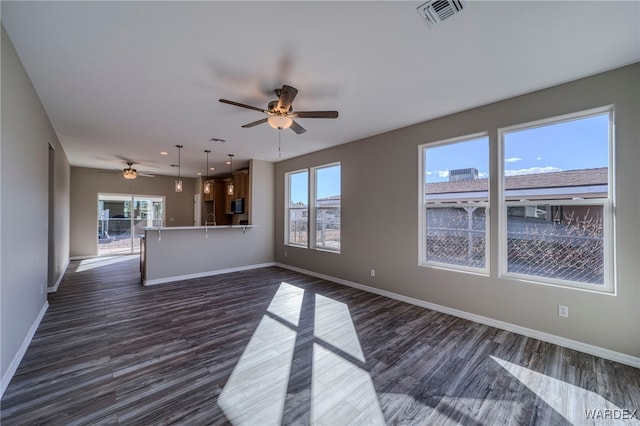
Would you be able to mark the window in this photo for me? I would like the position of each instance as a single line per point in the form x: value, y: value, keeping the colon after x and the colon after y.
x: 322, y: 185
x: 298, y: 208
x: 327, y: 207
x: 455, y: 197
x: 557, y: 201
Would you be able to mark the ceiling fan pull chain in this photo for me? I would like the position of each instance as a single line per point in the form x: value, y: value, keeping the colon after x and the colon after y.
x: 279, y: 143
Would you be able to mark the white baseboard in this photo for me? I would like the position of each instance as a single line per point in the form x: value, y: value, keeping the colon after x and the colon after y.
x: 82, y: 257
x: 8, y: 375
x: 59, y: 280
x: 528, y: 332
x: 206, y: 274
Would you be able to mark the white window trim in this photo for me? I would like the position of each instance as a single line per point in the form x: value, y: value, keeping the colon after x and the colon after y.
x: 287, y: 226
x: 608, y: 204
x: 423, y: 203
x: 311, y: 208
x: 312, y: 237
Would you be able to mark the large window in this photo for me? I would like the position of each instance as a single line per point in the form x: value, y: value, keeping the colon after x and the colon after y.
x: 322, y: 185
x: 298, y: 208
x: 557, y: 201
x: 454, y: 219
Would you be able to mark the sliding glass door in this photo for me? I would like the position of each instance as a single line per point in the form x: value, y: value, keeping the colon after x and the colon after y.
x: 122, y: 219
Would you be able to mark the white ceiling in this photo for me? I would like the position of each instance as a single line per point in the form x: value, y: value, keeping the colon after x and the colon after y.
x: 126, y: 80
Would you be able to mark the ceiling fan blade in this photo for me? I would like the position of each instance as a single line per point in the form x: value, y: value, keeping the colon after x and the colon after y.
x: 286, y: 97
x: 297, y: 128
x: 255, y: 123
x: 317, y: 114
x: 146, y: 174
x: 226, y: 101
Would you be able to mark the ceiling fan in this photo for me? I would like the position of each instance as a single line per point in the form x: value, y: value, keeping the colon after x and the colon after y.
x: 130, y: 173
x: 280, y: 112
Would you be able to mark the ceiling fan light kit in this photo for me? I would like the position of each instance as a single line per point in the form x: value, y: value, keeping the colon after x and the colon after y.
x: 280, y: 122
x: 130, y: 172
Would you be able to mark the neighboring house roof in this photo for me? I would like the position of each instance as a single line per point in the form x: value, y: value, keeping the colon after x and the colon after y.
x: 582, y: 177
x: 584, y: 182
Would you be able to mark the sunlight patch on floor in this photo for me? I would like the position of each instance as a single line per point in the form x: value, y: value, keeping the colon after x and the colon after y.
x: 286, y: 303
x: 98, y: 262
x: 257, y: 388
x: 570, y: 401
x: 333, y: 325
x: 342, y: 391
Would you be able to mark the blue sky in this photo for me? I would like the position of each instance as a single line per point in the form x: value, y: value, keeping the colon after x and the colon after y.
x: 572, y: 145
x: 327, y: 180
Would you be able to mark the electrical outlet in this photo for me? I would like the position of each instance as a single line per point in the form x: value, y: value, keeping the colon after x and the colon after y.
x: 563, y: 311
x: 285, y: 253
x: 373, y: 272
x: 41, y: 288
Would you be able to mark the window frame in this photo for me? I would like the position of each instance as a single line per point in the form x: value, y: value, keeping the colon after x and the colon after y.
x: 311, y: 208
x: 608, y: 205
x: 287, y: 208
x: 313, y: 219
x: 423, y: 203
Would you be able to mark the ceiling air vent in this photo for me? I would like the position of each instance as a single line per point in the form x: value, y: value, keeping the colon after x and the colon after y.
x: 436, y: 11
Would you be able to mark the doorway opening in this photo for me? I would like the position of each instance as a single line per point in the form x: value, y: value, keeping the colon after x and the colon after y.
x: 122, y: 219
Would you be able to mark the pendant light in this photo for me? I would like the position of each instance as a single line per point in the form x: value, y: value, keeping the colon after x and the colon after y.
x: 178, y: 186
x: 207, y: 183
x: 230, y: 183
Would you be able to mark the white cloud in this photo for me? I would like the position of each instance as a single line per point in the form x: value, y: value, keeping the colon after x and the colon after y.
x: 512, y: 160
x: 483, y: 175
x: 532, y: 170
x: 538, y: 158
x: 440, y: 173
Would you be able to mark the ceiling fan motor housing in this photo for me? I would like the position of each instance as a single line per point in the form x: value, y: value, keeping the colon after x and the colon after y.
x: 273, y: 107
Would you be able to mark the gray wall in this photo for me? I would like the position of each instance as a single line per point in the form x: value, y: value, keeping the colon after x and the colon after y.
x: 86, y: 184
x: 61, y: 211
x: 262, y: 207
x: 377, y: 234
x: 26, y: 132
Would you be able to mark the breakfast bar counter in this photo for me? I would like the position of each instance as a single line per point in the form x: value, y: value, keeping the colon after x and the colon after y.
x: 180, y: 253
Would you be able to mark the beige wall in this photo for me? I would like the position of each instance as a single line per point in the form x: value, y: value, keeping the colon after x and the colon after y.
x: 24, y: 224
x: 378, y: 233
x: 86, y: 184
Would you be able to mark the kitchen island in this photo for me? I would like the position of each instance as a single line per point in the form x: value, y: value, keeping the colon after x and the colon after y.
x: 181, y: 253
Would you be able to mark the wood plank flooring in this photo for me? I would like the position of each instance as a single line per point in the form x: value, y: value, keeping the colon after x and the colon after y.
x: 271, y: 346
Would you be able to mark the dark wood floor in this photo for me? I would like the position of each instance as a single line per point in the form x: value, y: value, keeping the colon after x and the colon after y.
x: 271, y: 346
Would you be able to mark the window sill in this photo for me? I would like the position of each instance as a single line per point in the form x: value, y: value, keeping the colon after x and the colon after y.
x: 603, y: 289
x: 454, y: 268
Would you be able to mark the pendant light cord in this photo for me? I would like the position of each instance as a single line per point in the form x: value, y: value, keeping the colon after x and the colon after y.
x: 207, y: 171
